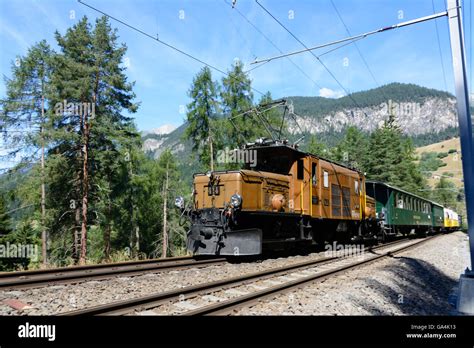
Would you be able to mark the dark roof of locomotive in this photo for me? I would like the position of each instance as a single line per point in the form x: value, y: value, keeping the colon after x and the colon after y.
x: 298, y: 153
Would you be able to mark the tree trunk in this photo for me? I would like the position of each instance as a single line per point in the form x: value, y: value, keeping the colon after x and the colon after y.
x: 134, y: 232
x: 108, y: 231
x: 85, y: 187
x: 212, y: 153
x: 77, y: 233
x: 137, y: 239
x: 165, y: 219
x: 44, y: 236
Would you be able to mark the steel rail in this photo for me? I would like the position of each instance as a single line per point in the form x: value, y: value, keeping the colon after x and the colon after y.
x: 157, y: 299
x: 227, y: 307
x: 67, y: 275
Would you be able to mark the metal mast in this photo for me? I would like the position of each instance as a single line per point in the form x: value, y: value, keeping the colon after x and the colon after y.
x: 466, y: 284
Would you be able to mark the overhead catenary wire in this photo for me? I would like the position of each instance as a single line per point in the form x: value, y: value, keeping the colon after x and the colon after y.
x: 157, y: 39
x: 439, y: 48
x: 320, y: 55
x: 356, y: 46
x: 240, y: 34
x: 362, y: 36
x: 312, y: 53
x: 273, y: 44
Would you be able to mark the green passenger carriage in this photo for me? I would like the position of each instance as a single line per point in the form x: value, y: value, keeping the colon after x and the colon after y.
x: 400, y: 211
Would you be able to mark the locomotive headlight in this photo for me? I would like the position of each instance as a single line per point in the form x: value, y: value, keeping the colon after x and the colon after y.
x: 179, y: 202
x: 235, y: 200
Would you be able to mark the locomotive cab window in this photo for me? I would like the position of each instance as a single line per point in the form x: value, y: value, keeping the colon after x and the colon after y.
x: 314, y: 174
x: 326, y: 179
x: 300, y: 170
x: 356, y: 186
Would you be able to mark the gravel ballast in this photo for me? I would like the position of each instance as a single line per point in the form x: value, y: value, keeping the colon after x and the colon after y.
x: 63, y: 298
x: 421, y: 281
x: 418, y: 281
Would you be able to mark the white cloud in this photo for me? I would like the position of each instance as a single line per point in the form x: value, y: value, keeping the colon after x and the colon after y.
x: 329, y: 93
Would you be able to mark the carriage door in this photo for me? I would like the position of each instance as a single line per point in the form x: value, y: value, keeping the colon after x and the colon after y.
x: 302, y: 186
x: 314, y: 192
x: 357, y: 203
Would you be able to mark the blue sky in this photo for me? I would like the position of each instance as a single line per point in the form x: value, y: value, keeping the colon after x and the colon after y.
x: 217, y: 34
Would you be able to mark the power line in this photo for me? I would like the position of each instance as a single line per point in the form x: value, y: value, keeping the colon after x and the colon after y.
x: 320, y: 55
x: 312, y: 53
x: 359, y: 36
x: 273, y: 44
x: 157, y: 39
x: 439, y: 47
x: 239, y: 33
x: 355, y: 44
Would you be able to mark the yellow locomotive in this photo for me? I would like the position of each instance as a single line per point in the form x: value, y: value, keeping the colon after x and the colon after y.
x: 287, y: 196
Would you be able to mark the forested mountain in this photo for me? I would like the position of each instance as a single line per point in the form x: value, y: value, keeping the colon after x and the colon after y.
x: 423, y: 114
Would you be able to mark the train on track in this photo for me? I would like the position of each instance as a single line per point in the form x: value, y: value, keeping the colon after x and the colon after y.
x: 290, y: 197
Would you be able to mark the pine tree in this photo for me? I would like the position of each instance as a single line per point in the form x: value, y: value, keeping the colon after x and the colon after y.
x: 317, y: 148
x: 90, y: 74
x: 237, y: 98
x: 391, y: 159
x: 5, y: 226
x: 353, y: 149
x: 27, y: 107
x: 202, y: 115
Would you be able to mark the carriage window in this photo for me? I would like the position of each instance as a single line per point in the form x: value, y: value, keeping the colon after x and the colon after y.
x: 326, y: 179
x: 399, y: 201
x: 314, y: 174
x: 300, y: 170
x: 356, y: 186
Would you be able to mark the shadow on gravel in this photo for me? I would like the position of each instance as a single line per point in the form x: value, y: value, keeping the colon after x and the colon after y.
x: 418, y: 289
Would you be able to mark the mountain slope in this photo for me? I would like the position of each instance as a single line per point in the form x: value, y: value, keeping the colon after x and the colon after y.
x: 419, y: 110
x: 426, y: 115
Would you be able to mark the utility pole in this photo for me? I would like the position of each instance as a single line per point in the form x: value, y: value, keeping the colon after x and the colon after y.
x: 466, y: 284
x: 165, y: 220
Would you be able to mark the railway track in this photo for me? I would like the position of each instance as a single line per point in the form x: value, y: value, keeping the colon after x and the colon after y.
x: 70, y: 275
x: 223, y: 296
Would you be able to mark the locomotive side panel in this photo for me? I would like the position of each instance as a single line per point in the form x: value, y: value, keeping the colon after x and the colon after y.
x: 341, y: 192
